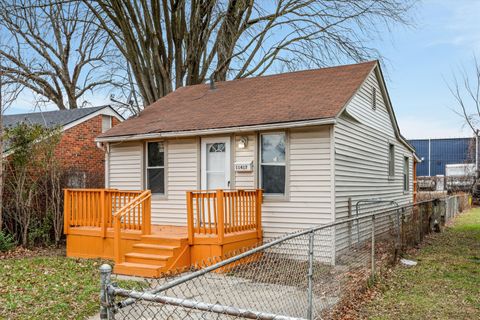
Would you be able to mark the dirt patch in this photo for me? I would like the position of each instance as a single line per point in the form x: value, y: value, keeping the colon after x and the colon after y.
x: 21, y: 252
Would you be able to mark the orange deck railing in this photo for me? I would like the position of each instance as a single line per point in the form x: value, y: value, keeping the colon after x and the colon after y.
x: 222, y: 212
x: 94, y: 207
x: 108, y: 208
x: 135, y: 215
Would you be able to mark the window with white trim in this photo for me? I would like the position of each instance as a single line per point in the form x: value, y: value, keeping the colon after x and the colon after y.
x: 406, y: 174
x: 155, y: 175
x: 272, y: 163
x: 391, y: 160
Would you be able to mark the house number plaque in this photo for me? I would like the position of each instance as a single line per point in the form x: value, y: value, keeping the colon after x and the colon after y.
x: 244, y: 166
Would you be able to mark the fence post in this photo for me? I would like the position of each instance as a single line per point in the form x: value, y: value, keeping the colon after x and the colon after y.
x: 349, y: 223
x: 106, y: 301
x: 310, y: 276
x: 399, y: 229
x: 373, y: 249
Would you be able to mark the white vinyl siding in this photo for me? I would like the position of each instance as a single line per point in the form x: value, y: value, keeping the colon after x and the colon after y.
x: 245, y: 180
x: 125, y: 166
x: 308, y: 194
x: 126, y: 171
x: 362, y: 138
x: 308, y: 197
x: 182, y: 175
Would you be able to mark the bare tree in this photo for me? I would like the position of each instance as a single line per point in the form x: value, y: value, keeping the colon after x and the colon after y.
x: 172, y: 43
x: 8, y: 94
x: 54, y: 49
x: 465, y: 89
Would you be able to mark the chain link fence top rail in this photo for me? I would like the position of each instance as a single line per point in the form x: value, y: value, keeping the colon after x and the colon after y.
x: 310, y: 274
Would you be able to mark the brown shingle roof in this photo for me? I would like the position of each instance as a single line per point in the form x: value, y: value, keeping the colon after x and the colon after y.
x: 296, y: 96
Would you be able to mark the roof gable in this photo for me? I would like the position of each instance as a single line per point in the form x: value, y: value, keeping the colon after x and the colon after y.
x: 290, y: 97
x: 58, y: 118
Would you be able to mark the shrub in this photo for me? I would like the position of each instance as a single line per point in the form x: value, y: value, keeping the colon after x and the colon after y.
x: 7, y: 242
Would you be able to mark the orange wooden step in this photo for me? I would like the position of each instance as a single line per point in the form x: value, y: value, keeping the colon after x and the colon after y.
x: 160, y: 249
x: 159, y: 240
x: 138, y: 269
x: 146, y: 258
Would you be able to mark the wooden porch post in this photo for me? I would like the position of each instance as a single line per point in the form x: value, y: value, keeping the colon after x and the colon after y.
x: 66, y: 211
x: 147, y: 218
x: 103, y: 213
x: 190, y: 225
x: 117, y: 240
x: 221, y: 215
x: 259, y: 212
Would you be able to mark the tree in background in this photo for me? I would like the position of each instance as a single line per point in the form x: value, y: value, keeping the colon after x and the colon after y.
x: 465, y: 89
x: 8, y: 94
x: 172, y: 43
x: 55, y: 50
x: 30, y: 173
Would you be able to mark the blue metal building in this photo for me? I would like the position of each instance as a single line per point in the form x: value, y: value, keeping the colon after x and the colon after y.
x: 436, y: 153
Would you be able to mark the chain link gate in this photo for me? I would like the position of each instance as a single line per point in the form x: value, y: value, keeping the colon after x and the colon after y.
x: 310, y: 274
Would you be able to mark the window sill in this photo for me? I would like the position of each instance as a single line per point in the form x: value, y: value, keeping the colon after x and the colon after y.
x: 275, y: 198
x: 158, y: 196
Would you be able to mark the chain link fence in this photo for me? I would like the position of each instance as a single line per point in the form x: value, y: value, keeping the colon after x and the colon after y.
x: 310, y: 274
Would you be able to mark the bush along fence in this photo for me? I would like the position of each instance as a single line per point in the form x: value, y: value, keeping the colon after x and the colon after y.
x: 310, y: 274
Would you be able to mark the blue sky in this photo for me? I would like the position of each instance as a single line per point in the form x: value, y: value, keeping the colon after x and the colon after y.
x: 418, y: 63
x: 421, y: 60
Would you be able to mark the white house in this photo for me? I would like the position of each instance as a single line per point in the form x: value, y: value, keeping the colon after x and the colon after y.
x: 314, y: 139
x: 311, y: 140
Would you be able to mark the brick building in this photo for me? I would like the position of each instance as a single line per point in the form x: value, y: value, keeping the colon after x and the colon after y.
x: 77, y: 151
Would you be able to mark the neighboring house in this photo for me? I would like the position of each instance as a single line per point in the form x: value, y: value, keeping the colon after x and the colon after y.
x: 77, y: 151
x: 315, y: 141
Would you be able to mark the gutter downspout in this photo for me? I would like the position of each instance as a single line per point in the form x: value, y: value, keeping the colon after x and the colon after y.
x: 105, y: 146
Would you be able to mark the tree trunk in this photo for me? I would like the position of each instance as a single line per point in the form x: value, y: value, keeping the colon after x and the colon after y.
x: 1, y: 157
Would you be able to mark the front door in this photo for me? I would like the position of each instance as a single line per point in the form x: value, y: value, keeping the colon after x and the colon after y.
x: 215, y: 160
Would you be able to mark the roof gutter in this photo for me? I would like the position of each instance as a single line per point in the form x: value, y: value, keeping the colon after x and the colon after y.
x: 189, y: 133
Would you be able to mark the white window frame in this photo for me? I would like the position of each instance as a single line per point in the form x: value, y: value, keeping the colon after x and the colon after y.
x: 106, y: 122
x: 164, y: 167
x: 261, y: 163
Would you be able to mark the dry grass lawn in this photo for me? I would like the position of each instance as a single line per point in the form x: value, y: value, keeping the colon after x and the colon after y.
x: 444, y: 285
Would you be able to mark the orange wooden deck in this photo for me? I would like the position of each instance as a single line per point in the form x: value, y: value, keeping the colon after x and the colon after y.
x: 115, y: 224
